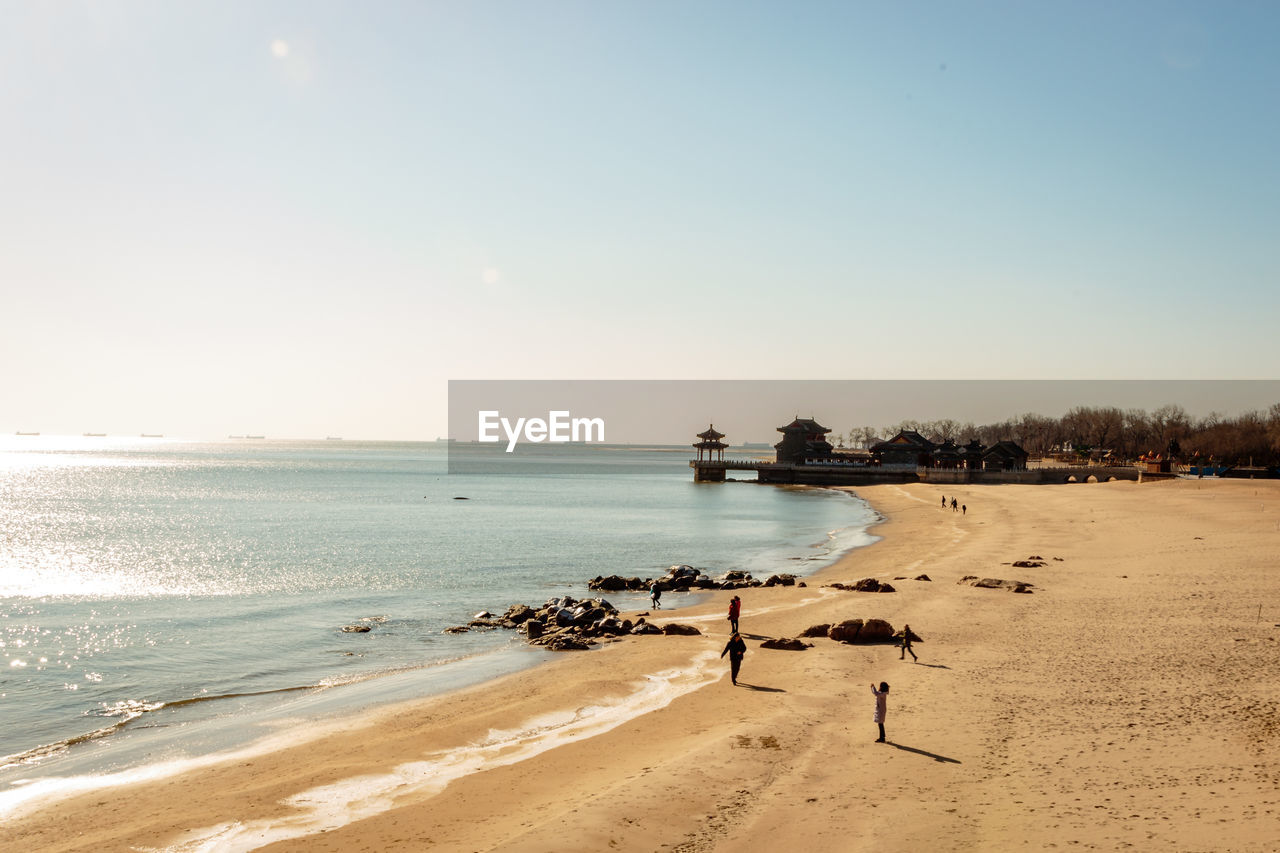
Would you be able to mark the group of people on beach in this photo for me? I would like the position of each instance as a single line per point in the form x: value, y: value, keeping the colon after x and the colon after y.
x: 962, y: 509
x: 736, y: 649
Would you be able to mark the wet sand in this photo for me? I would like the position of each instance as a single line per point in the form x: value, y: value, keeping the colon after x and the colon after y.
x: 1131, y: 701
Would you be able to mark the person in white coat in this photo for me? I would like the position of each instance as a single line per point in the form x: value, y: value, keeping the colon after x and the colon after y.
x: 882, y: 703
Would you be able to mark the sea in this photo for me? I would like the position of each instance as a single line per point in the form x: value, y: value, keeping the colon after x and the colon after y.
x: 165, y: 600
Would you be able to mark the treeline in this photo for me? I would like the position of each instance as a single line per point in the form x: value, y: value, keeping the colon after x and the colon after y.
x: 1251, y: 437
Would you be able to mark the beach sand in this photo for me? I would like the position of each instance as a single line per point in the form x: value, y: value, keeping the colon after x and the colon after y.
x: 1131, y: 701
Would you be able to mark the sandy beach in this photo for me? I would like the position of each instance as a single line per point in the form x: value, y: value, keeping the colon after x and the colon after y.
x: 1132, y: 700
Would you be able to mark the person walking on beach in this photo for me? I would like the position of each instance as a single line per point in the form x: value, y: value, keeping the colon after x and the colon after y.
x: 953, y: 504
x: 735, y: 607
x: 655, y: 595
x: 882, y: 703
x: 964, y: 509
x: 735, y: 648
x: 944, y: 501
x: 906, y: 644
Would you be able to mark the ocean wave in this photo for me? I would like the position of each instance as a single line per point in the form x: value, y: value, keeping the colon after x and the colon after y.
x: 130, y: 710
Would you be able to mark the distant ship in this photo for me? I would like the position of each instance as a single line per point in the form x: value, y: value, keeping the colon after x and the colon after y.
x: 246, y: 436
x: 152, y: 435
x: 446, y: 440
x: 95, y: 435
x: 20, y: 432
x: 756, y: 445
x: 333, y: 438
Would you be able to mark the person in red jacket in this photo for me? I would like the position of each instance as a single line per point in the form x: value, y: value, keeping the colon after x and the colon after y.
x: 735, y: 607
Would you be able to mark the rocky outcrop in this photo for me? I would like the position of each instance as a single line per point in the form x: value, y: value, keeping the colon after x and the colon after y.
x: 815, y: 631
x: 676, y: 629
x: 780, y: 580
x: 997, y: 583
x: 566, y: 643
x: 861, y: 631
x: 846, y: 631
x: 617, y: 583
x: 864, y: 585
x: 786, y: 644
x: 356, y: 629
x: 681, y: 578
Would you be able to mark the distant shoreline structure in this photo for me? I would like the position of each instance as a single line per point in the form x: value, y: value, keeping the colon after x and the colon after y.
x: 20, y: 432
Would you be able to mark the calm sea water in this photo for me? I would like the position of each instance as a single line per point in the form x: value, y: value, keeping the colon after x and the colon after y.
x: 162, y: 599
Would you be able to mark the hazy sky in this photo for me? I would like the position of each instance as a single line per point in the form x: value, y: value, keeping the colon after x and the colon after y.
x: 302, y: 218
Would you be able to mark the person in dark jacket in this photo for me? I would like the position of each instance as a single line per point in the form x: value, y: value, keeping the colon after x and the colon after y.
x: 907, y: 637
x: 735, y: 649
x: 735, y: 608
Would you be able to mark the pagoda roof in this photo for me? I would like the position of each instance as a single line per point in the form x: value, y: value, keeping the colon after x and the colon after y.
x: 1006, y: 448
x: 806, y: 424
x: 711, y: 445
x: 906, y: 439
x: 711, y: 434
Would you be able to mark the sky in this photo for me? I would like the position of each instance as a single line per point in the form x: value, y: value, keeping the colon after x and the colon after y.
x: 303, y: 219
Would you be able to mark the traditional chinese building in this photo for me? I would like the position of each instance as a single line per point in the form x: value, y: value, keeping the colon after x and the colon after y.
x: 909, y: 447
x: 710, y: 445
x: 804, y: 440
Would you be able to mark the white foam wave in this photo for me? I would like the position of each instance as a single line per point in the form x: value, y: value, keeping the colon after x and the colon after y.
x: 330, y: 806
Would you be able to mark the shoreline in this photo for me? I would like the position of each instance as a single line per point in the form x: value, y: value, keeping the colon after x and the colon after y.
x: 253, y: 731
x: 996, y: 736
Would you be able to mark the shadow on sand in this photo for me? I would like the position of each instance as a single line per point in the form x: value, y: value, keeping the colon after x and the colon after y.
x: 760, y: 689
x: 933, y: 665
x: 932, y: 755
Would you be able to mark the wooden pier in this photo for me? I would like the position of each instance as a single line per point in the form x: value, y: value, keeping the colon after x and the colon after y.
x: 714, y: 471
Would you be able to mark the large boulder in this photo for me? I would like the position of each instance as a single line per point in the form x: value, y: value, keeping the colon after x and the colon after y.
x: 846, y: 631
x: 781, y: 580
x: 613, y: 583
x: 815, y: 631
x: 861, y: 631
x: 876, y: 631
x: 677, y: 629
x: 645, y: 628
x: 533, y: 628
x: 517, y: 614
